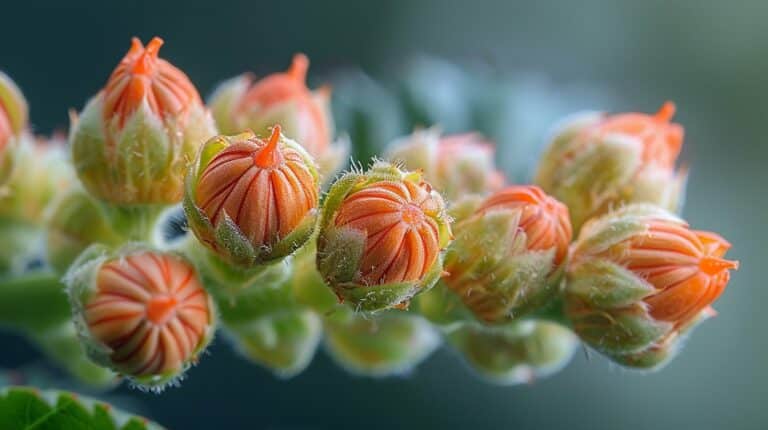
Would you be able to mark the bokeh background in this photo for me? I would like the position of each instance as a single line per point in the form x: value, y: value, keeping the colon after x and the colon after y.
x: 552, y: 57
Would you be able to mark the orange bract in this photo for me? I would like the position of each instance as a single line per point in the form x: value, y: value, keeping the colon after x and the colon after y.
x: 544, y: 220
x: 402, y: 240
x: 662, y: 140
x: 685, y: 266
x: 265, y: 189
x: 142, y: 76
x: 151, y: 310
x: 290, y: 87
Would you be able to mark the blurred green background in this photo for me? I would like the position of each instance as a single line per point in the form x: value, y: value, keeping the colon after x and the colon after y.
x: 707, y: 56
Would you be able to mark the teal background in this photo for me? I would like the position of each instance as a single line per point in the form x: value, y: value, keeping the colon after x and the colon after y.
x: 707, y: 56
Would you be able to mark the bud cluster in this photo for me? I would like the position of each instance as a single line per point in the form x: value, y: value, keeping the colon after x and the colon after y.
x: 492, y: 267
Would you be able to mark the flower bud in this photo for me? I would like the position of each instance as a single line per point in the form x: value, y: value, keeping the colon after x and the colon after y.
x: 515, y: 353
x: 76, y: 221
x: 456, y: 165
x: 266, y: 323
x: 252, y: 201
x: 284, y: 341
x: 383, y: 345
x: 382, y: 236
x: 638, y: 278
x: 47, y: 174
x: 507, y: 258
x: 13, y: 123
x: 596, y: 163
x: 281, y: 98
x: 132, y: 142
x: 141, y: 313
x: 43, y: 173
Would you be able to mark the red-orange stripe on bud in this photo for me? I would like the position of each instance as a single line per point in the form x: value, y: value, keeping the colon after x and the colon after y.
x: 151, y: 310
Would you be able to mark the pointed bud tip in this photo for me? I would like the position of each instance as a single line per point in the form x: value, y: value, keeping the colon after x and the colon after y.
x: 714, y: 265
x: 666, y: 112
x: 299, y: 67
x: 269, y: 156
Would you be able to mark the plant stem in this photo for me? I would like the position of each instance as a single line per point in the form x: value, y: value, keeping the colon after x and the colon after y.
x: 135, y: 223
x: 33, y: 302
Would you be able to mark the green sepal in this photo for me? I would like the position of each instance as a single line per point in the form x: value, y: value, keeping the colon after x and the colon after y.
x: 269, y: 327
x: 390, y: 343
x: 619, y: 331
x: 284, y: 341
x: 514, y: 353
x: 493, y: 265
x: 594, y: 179
x: 550, y: 173
x: 603, y: 284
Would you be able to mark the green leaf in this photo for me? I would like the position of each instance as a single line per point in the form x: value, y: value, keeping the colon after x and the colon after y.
x: 24, y: 408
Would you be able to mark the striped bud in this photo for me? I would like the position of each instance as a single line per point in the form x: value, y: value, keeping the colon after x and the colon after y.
x: 251, y: 200
x: 281, y: 98
x: 598, y: 162
x: 515, y: 353
x: 507, y: 258
x: 141, y: 313
x: 639, y: 278
x: 382, y: 236
x: 133, y: 141
x: 456, y: 165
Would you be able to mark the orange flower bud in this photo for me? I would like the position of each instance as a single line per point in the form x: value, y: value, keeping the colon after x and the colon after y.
x: 132, y: 142
x: 597, y: 162
x: 401, y: 240
x: 661, y: 139
x: 640, y: 275
x: 142, y: 77
x: 382, y: 236
x: 457, y: 165
x: 145, y: 314
x: 264, y: 191
x: 506, y: 259
x: 281, y: 98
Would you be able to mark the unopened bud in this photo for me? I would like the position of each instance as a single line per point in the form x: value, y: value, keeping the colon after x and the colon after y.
x: 133, y: 141
x: 282, y: 98
x: 516, y: 353
x: 638, y: 278
x: 456, y: 165
x: 250, y: 200
x: 507, y: 258
x: 597, y: 163
x: 382, y: 345
x: 381, y: 238
x: 142, y: 313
